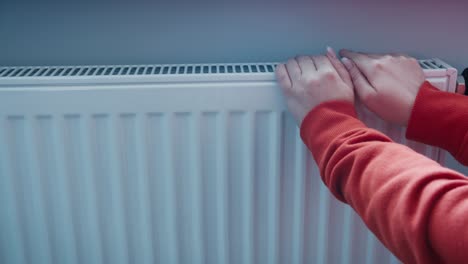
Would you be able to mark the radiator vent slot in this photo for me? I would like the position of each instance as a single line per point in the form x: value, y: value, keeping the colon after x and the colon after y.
x: 431, y: 64
x: 136, y: 70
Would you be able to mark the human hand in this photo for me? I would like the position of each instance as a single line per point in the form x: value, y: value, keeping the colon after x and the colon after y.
x: 308, y: 81
x: 386, y: 84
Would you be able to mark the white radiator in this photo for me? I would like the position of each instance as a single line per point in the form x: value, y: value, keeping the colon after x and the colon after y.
x: 169, y: 164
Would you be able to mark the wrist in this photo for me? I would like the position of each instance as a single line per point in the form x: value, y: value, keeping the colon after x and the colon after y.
x: 415, y: 102
x: 340, y: 105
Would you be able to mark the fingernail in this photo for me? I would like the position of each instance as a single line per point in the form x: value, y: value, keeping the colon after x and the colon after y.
x: 347, y: 63
x: 331, y: 52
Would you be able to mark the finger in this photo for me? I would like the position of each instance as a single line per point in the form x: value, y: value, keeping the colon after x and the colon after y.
x: 283, y: 77
x: 370, y: 55
x: 362, y: 86
x: 361, y: 60
x: 294, y: 70
x: 383, y: 55
x: 324, y: 65
x: 400, y: 55
x: 306, y: 64
x: 380, y: 55
x: 353, y: 55
x: 339, y: 67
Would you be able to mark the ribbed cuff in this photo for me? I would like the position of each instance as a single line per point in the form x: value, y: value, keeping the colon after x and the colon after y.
x: 325, y: 122
x: 427, y: 117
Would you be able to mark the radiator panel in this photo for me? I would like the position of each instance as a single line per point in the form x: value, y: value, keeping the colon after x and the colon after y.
x: 241, y: 198
x: 169, y: 172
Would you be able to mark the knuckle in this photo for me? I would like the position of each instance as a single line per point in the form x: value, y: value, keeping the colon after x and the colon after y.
x: 280, y: 74
x: 279, y: 70
x: 310, y: 80
x: 413, y: 60
x: 378, y: 66
x: 282, y: 77
x: 395, y: 59
x: 403, y: 56
x: 288, y: 90
x: 283, y: 80
x: 290, y: 61
x: 287, y: 87
x: 329, y: 75
x: 387, y: 58
x: 314, y: 57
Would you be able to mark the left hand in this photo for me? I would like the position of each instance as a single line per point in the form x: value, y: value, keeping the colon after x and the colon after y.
x: 308, y: 81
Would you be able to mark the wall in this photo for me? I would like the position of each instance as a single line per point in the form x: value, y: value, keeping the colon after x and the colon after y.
x: 139, y: 32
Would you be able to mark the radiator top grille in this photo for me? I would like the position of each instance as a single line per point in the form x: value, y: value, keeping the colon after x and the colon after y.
x: 152, y: 70
x: 431, y: 64
x: 127, y: 70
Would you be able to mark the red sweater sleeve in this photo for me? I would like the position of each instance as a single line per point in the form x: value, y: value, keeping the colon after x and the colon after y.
x: 417, y: 208
x: 440, y: 119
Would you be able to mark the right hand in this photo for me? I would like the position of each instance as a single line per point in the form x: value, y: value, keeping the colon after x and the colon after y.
x: 386, y: 84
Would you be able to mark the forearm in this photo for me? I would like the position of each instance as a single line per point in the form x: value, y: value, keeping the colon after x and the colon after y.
x: 440, y: 119
x: 404, y: 198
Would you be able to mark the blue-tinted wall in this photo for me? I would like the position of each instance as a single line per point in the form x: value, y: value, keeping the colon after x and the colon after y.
x: 139, y: 32
x: 200, y: 31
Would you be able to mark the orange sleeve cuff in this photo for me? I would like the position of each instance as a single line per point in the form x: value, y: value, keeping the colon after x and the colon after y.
x: 440, y: 119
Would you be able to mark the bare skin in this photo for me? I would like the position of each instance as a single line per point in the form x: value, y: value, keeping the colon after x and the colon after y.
x: 386, y: 84
x: 308, y: 81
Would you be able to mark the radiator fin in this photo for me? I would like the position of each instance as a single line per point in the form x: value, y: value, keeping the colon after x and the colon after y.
x: 12, y: 244
x: 83, y: 189
x: 151, y: 187
x: 56, y: 188
x: 162, y: 188
x: 185, y: 146
x: 213, y: 155
x: 108, y: 180
x: 28, y: 188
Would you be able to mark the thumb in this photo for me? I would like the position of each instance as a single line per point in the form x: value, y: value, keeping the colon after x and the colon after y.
x: 361, y: 60
x: 344, y: 74
x: 361, y: 84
